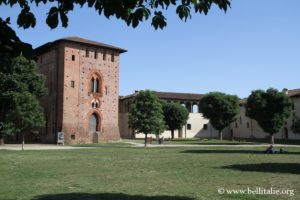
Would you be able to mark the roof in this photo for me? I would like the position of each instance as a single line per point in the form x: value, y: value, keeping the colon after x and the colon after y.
x: 77, y: 40
x: 293, y: 93
x: 171, y: 96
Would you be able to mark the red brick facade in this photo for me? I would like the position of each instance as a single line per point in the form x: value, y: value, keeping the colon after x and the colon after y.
x: 83, y: 82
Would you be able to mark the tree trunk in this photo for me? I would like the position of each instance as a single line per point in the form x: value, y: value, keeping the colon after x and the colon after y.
x: 23, y: 141
x: 157, y: 139
x: 1, y: 140
x: 172, y: 134
x: 221, y: 135
x: 146, y: 140
x: 272, y: 139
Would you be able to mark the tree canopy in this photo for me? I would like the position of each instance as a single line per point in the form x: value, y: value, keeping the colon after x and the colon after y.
x: 132, y: 12
x: 175, y: 116
x: 20, y: 86
x: 296, y: 126
x: 221, y: 109
x: 146, y: 114
x: 270, y: 109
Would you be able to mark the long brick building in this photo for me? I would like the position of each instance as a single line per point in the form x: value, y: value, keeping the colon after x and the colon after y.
x: 83, y: 83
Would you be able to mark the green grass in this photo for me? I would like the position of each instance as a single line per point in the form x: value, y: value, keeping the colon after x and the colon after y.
x: 146, y: 174
x: 212, y: 141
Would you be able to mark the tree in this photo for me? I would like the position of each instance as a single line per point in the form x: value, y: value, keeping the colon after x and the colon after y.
x: 175, y: 116
x: 27, y: 114
x: 296, y: 126
x: 270, y: 109
x: 132, y: 12
x: 6, y: 128
x: 18, y: 76
x: 221, y: 109
x: 146, y: 114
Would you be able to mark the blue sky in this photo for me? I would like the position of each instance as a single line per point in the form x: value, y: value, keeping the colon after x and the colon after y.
x: 255, y: 45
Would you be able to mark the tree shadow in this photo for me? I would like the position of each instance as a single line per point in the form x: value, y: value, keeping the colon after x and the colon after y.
x: 289, y: 168
x: 234, y: 151
x: 106, y: 196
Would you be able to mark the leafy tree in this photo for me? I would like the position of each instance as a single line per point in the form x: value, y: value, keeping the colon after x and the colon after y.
x: 146, y: 114
x: 296, y: 126
x: 18, y: 76
x: 132, y: 12
x: 221, y: 109
x: 6, y: 128
x: 175, y: 116
x: 27, y: 114
x: 270, y: 109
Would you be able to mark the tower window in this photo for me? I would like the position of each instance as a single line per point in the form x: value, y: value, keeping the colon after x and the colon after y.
x: 104, y: 55
x: 205, y: 126
x: 73, y: 57
x: 87, y: 52
x: 72, y: 84
x: 112, y: 57
x: 96, y: 54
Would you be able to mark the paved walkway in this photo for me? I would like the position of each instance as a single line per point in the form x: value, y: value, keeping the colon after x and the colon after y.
x: 56, y: 147
x: 37, y: 147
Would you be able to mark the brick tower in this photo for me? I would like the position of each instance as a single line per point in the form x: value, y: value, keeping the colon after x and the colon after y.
x: 82, y: 77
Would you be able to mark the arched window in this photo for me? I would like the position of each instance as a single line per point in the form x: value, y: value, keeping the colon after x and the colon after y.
x: 96, y: 84
x: 94, y: 121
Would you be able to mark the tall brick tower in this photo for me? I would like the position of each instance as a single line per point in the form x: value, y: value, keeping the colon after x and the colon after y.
x: 83, y: 83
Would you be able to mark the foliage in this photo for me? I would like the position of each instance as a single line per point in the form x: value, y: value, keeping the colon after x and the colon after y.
x: 10, y: 45
x: 221, y: 109
x: 27, y: 114
x: 296, y: 126
x: 175, y: 116
x: 20, y: 85
x: 269, y: 108
x: 146, y: 114
x: 132, y: 12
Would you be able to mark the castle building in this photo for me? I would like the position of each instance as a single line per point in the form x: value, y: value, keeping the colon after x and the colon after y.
x: 199, y: 127
x: 82, y: 78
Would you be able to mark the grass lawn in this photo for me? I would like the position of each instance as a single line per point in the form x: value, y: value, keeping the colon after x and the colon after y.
x: 196, y: 141
x: 122, y: 172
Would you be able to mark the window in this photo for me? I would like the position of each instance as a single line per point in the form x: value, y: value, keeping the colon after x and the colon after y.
x: 87, y: 52
x: 104, y: 55
x: 96, y: 54
x: 112, y: 57
x: 205, y: 126
x: 73, y: 137
x: 248, y: 125
x: 73, y: 57
x: 188, y: 126
x: 72, y: 84
x: 95, y: 104
x: 95, y: 85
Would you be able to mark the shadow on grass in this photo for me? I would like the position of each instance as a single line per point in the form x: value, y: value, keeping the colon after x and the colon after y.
x: 106, y: 196
x: 234, y: 151
x: 289, y: 168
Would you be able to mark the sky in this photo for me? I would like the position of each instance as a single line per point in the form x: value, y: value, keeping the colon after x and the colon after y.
x: 255, y: 45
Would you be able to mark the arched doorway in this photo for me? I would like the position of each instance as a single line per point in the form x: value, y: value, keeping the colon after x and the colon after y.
x: 94, y: 127
x: 94, y: 121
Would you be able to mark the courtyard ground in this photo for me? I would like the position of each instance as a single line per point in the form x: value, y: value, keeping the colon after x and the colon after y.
x: 122, y: 172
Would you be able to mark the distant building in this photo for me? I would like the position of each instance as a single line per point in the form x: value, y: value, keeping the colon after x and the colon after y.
x: 245, y: 127
x: 197, y: 126
x: 83, y: 83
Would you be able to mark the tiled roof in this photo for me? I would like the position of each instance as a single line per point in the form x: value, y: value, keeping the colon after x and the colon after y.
x: 172, y: 96
x: 293, y: 93
x: 79, y: 41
